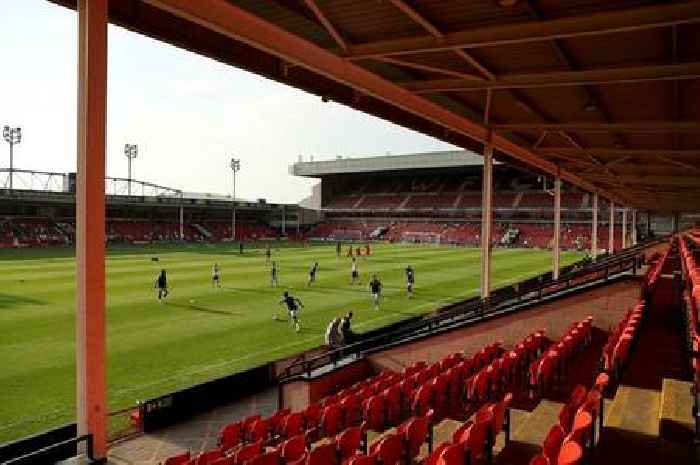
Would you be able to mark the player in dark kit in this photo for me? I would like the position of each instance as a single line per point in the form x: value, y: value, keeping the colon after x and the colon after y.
x: 268, y: 254
x: 410, y: 279
x: 162, y: 285
x: 293, y: 305
x: 355, y: 275
x: 273, y: 275
x: 216, y: 276
x: 338, y: 247
x: 312, y: 273
x: 375, y: 287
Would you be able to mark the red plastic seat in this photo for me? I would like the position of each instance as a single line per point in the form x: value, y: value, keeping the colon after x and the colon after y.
x: 552, y: 443
x: 592, y: 403
x: 460, y: 433
x: 293, y: 448
x: 349, y: 442
x: 499, y: 413
x: 312, y: 415
x: 351, y: 406
x: 248, y: 423
x: 577, y: 396
x: 206, y: 458
x: 601, y: 382
x: 230, y: 436
x: 539, y: 459
x: 293, y: 424
x: 267, y: 458
x: 259, y: 431
x: 570, y: 453
x: 433, y: 458
x: 324, y: 454
x: 222, y: 461
x: 331, y: 422
x: 388, y: 450
x: 439, y: 385
x: 181, y: 459
x: 277, y: 419
x: 361, y: 460
x: 392, y: 403
x: 373, y: 413
x: 481, y: 385
x: 581, y: 427
x: 475, y: 437
x: 452, y: 454
x: 422, y: 399
x: 415, y: 434
x: 247, y: 452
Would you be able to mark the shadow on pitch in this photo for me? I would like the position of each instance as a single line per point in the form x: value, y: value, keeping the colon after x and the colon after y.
x: 199, y: 308
x: 10, y: 301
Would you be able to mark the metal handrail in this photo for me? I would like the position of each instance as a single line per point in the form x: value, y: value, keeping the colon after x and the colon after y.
x: 620, y: 262
x: 33, y: 455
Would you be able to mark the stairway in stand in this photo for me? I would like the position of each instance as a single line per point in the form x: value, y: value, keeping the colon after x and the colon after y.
x: 649, y: 420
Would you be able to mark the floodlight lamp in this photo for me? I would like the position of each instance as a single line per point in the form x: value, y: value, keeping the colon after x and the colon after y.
x: 18, y: 134
x: 6, y: 133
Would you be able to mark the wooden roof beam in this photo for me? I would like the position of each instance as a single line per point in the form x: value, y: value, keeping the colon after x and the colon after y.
x: 638, y: 179
x: 418, y: 18
x: 638, y: 126
x: 520, y: 100
x: 623, y: 20
x: 428, y: 68
x: 311, y: 4
x: 605, y: 76
x: 600, y: 151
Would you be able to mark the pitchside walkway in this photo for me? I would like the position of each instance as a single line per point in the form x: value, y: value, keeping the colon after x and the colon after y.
x: 197, y: 435
x: 607, y: 304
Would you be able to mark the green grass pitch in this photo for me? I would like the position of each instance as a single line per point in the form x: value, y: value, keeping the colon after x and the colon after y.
x: 202, y: 333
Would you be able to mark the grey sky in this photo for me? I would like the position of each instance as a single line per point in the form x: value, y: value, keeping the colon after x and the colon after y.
x: 188, y: 114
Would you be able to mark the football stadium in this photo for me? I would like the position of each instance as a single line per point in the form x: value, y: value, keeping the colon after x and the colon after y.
x: 526, y: 294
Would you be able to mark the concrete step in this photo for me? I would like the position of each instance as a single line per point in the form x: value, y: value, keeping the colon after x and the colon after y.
x: 538, y: 423
x: 635, y: 410
x: 675, y: 415
x: 529, y: 430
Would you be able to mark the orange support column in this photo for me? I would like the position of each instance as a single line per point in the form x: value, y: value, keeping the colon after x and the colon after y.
x: 594, y: 228
x: 91, y: 414
x: 611, y: 228
x: 556, y: 246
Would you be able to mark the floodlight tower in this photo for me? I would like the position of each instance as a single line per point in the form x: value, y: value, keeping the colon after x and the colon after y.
x: 131, y: 151
x: 12, y: 136
x: 235, y: 168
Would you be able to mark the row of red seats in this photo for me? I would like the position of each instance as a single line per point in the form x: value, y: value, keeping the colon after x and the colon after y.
x: 374, y: 404
x: 654, y: 272
x: 403, y: 446
x: 619, y: 342
x: 474, y: 440
x: 568, y: 440
x: 690, y: 255
x: 505, y: 372
x: 544, y: 371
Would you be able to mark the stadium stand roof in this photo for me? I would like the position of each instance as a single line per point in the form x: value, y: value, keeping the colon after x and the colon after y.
x: 603, y: 93
x: 443, y: 159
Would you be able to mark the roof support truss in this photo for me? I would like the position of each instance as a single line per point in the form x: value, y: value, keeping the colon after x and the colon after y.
x: 537, y: 31
x: 232, y: 21
x: 606, y: 76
